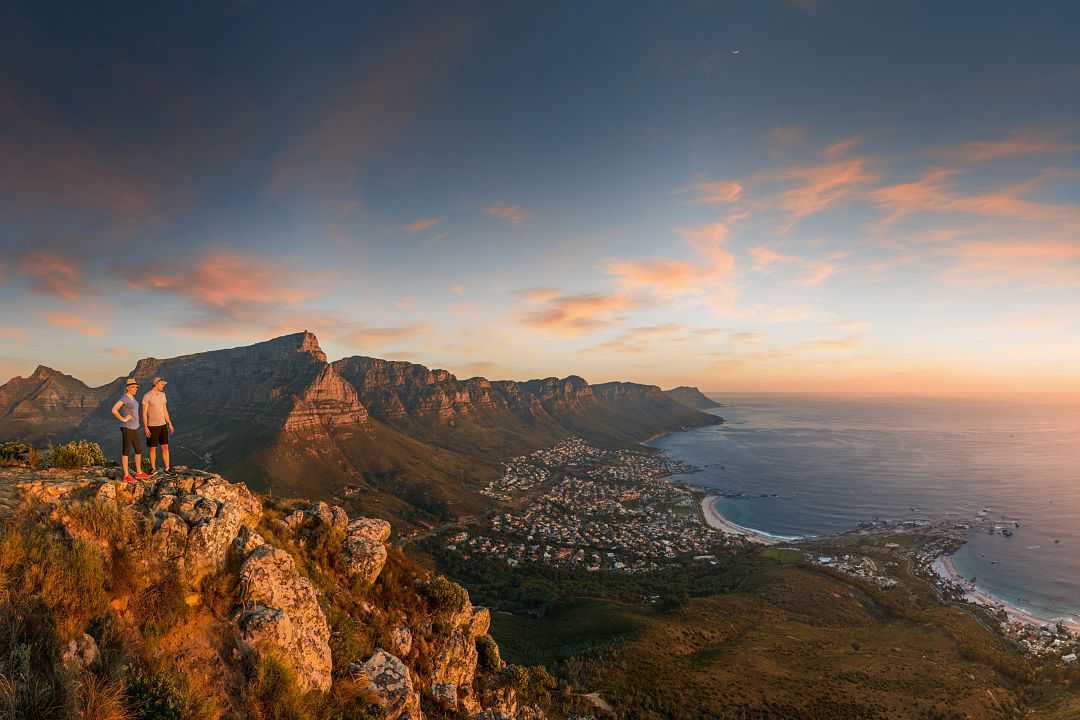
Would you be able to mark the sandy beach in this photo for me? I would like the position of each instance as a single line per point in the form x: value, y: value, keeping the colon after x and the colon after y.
x: 945, y: 568
x: 718, y: 522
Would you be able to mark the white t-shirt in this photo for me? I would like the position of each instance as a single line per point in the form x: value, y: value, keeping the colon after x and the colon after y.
x: 155, y: 408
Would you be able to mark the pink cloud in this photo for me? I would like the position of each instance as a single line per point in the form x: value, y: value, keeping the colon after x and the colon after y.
x: 422, y: 225
x: 815, y: 188
x: 817, y: 271
x: 1017, y: 144
x: 638, y: 339
x: 225, y: 280
x: 573, y: 315
x: 69, y: 321
x: 53, y: 274
x: 717, y: 192
x: 667, y: 277
x: 510, y: 213
x: 1043, y: 262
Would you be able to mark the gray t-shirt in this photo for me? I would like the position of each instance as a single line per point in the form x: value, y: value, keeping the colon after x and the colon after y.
x: 131, y: 409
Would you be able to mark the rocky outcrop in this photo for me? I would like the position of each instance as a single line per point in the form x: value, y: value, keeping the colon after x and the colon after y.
x: 45, y: 405
x: 281, y: 615
x: 391, y: 683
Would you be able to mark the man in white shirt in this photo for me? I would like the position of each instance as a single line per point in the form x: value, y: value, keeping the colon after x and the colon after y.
x: 158, y: 424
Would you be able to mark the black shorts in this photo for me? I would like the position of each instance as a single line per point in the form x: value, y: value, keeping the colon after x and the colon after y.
x: 159, y: 435
x: 130, y: 441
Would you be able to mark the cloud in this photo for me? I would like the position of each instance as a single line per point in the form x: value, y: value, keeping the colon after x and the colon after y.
x: 746, y: 337
x: 817, y: 270
x: 933, y: 192
x: 422, y: 225
x: 229, y: 281
x: 10, y: 332
x: 815, y: 188
x: 573, y: 315
x: 638, y: 339
x: 53, y: 274
x: 540, y: 295
x: 70, y: 321
x: 1043, y: 262
x: 478, y: 368
x: 510, y: 213
x: 367, y: 336
x: 832, y: 344
x: 118, y: 351
x: 717, y: 192
x: 1017, y: 144
x: 667, y: 277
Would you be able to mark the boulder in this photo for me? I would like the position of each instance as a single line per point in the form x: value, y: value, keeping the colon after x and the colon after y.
x: 445, y: 696
x: 281, y: 613
x: 391, y: 684
x: 208, y: 542
x: 364, y: 558
x: 371, y: 528
x: 234, y: 494
x: 169, y: 539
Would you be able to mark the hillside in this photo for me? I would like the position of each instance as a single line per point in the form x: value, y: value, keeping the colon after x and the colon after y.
x: 191, y: 597
x: 391, y: 437
x: 691, y: 397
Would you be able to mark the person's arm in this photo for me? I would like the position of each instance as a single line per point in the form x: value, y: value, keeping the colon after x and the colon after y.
x: 168, y: 420
x: 115, y: 411
x: 145, y: 404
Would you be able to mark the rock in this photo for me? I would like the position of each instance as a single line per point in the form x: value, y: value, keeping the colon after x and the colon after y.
x: 106, y: 492
x: 373, y: 529
x: 285, y: 614
x: 195, y: 509
x: 445, y: 695
x: 332, y: 516
x: 209, y: 541
x: 246, y: 541
x: 401, y: 636
x: 392, y: 685
x: 80, y: 653
x: 169, y: 539
x: 235, y: 495
x: 364, y: 559
x: 295, y: 520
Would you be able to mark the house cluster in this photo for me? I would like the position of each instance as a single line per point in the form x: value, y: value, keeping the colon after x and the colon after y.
x: 584, y: 507
x: 856, y: 566
x: 1045, y: 640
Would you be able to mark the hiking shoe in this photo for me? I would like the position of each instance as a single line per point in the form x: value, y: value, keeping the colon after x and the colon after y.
x: 141, y: 476
x: 170, y: 471
x: 129, y: 479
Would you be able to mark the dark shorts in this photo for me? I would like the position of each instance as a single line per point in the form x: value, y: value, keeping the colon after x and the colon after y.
x: 130, y: 441
x: 159, y: 435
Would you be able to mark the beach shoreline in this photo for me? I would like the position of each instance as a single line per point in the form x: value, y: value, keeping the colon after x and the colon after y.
x: 945, y: 569
x: 718, y: 522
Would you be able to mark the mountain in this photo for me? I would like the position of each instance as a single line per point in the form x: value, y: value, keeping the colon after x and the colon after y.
x: 46, y: 403
x: 691, y: 397
x: 419, y: 443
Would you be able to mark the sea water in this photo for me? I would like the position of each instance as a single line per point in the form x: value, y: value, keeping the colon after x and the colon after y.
x: 814, y: 465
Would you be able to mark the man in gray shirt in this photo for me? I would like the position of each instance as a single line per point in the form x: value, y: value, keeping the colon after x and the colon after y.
x: 129, y: 430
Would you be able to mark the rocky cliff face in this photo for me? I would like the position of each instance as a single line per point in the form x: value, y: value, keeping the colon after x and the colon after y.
x: 299, y: 586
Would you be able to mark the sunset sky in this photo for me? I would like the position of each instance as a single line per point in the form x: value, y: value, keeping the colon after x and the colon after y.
x: 813, y: 195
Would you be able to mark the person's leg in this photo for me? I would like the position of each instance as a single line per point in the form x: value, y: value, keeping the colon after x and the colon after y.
x: 124, y: 451
x: 165, y: 456
x: 153, y: 458
x: 124, y: 463
x: 138, y: 452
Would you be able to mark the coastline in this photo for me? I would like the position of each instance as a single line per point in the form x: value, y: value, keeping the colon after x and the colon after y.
x: 945, y: 569
x: 718, y: 522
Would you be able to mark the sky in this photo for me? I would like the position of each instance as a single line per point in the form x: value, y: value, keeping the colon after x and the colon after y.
x: 800, y: 196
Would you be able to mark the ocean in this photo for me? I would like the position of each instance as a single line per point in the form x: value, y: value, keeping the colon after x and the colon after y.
x: 824, y: 464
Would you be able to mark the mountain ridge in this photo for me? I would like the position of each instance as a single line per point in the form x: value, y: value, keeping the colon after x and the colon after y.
x: 279, y: 413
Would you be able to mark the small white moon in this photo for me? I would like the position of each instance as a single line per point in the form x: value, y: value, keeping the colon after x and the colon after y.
x: 736, y: 52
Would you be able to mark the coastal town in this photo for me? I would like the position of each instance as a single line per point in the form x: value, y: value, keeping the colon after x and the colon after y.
x: 574, y: 505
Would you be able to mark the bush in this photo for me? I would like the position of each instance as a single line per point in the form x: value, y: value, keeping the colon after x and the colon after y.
x: 445, y: 594
x: 152, y: 696
x: 15, y: 453
x: 488, y: 655
x: 75, y: 454
x: 271, y: 693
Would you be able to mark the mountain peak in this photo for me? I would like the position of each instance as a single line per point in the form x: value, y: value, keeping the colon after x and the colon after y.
x: 304, y: 341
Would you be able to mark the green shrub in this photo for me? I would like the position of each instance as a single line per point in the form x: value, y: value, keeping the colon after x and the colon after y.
x: 75, y: 454
x: 487, y: 650
x: 153, y: 696
x: 15, y: 453
x: 271, y: 693
x: 445, y: 594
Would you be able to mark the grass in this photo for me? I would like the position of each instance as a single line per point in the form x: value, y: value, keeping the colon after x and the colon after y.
x: 566, y: 630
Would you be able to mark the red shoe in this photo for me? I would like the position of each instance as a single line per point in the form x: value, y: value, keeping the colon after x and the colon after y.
x: 129, y: 479
x: 141, y: 476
